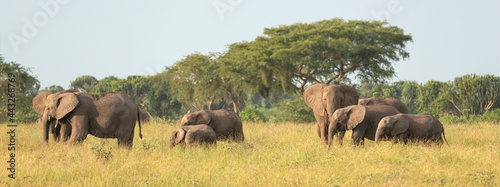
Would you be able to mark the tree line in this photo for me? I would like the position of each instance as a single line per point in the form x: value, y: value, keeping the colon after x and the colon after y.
x: 466, y: 95
x: 263, y: 79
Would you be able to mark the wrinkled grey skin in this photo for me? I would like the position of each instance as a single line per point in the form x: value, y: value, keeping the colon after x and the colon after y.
x: 396, y: 103
x: 191, y: 135
x: 410, y: 127
x: 107, y: 115
x: 324, y: 100
x: 62, y: 131
x: 362, y: 120
x: 225, y: 123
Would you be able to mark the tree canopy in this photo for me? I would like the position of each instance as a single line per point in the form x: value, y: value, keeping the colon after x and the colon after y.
x: 288, y: 57
x: 26, y: 87
x: 330, y: 50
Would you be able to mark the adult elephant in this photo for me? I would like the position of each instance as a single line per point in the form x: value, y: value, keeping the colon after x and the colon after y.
x: 362, y: 120
x: 414, y: 127
x: 324, y: 100
x: 61, y: 131
x: 225, y: 123
x: 106, y: 115
x: 396, y: 103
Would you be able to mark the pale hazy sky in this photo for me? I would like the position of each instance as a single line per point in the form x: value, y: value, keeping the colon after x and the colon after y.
x: 64, y: 39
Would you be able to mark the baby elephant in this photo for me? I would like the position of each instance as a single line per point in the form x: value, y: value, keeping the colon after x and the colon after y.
x: 415, y: 127
x: 193, y: 135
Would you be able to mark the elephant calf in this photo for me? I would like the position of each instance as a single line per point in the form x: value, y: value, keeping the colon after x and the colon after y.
x: 225, y: 123
x: 362, y: 120
x: 415, y: 127
x: 193, y: 135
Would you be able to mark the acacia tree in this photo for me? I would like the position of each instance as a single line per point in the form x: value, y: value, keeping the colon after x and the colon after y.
x: 240, y: 75
x: 84, y: 83
x: 330, y: 50
x: 290, y: 56
x: 196, y: 81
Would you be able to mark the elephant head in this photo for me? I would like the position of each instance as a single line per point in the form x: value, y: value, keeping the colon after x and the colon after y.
x: 54, y: 107
x: 346, y: 118
x: 325, y: 99
x: 177, y: 137
x: 200, y: 117
x: 391, y: 126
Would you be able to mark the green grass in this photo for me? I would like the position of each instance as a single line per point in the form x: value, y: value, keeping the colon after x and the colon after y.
x: 282, y: 154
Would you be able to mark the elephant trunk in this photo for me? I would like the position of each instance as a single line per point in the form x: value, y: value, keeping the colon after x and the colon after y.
x: 330, y: 109
x: 45, y: 125
x: 331, y: 133
x: 378, y: 136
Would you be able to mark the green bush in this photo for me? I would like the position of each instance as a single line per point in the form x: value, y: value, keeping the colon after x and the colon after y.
x: 291, y: 110
x: 253, y: 114
x: 492, y: 116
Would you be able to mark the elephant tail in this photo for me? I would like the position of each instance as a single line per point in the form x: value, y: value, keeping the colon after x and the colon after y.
x: 444, y: 138
x: 139, y: 121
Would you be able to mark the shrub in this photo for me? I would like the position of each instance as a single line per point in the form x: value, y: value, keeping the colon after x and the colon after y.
x: 291, y: 110
x: 252, y: 113
x: 492, y: 116
x: 102, y: 153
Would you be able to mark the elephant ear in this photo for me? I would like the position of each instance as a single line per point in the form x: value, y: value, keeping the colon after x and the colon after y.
x: 39, y: 102
x: 355, y: 115
x: 67, y: 103
x: 176, y: 137
x: 203, y: 117
x: 179, y: 136
x: 313, y: 97
x: 351, y: 96
x: 400, y: 125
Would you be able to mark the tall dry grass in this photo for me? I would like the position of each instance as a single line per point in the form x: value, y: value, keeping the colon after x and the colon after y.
x: 282, y: 154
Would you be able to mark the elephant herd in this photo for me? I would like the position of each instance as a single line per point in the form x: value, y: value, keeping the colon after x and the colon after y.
x: 337, y: 108
x: 69, y: 116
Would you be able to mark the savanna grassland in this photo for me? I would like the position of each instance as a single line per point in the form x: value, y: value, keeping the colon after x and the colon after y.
x: 282, y: 154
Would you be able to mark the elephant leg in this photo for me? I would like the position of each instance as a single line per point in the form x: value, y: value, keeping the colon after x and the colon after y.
x: 65, y: 132
x: 126, y: 140
x: 56, y: 132
x: 320, y: 120
x: 397, y: 139
x: 79, y: 130
x: 340, y: 137
x: 358, y: 135
x: 238, y: 134
x: 318, y: 129
x: 437, y: 139
x: 324, y: 135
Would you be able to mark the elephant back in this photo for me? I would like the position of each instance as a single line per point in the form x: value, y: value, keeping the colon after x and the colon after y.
x: 226, y: 123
